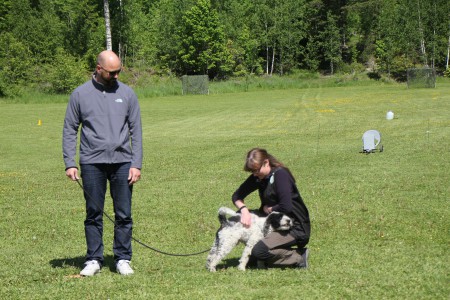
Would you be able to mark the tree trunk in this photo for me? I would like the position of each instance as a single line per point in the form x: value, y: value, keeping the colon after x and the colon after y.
x: 281, y: 61
x: 422, y: 37
x: 273, y: 60
x: 448, y: 53
x: 121, y: 52
x: 267, y: 50
x: 107, y: 25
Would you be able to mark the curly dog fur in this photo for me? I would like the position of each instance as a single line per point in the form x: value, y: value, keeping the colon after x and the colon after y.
x: 232, y: 232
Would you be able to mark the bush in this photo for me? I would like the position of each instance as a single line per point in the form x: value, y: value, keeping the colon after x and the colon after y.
x: 399, y: 66
x: 15, y: 65
x: 447, y: 73
x: 349, y: 68
x: 63, y: 75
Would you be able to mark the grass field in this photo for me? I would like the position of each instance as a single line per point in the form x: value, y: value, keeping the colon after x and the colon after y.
x: 380, y: 222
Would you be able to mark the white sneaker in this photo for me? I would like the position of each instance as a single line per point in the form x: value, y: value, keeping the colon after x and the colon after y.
x: 123, y: 267
x: 91, y: 268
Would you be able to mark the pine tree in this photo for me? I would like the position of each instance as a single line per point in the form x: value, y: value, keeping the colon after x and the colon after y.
x: 203, y: 50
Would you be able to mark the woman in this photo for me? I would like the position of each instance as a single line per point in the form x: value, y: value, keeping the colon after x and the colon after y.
x: 278, y: 192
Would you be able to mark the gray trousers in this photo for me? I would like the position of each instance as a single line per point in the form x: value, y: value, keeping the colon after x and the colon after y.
x: 276, y: 250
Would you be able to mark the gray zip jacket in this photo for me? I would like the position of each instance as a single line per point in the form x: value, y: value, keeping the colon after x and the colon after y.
x: 111, y: 130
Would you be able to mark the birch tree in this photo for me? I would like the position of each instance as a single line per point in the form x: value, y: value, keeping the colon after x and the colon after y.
x: 107, y: 25
x: 448, y: 52
x: 421, y: 34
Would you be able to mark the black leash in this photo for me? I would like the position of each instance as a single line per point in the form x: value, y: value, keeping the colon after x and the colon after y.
x: 134, y: 239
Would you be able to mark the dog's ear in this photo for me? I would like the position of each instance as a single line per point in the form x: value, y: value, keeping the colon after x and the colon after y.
x: 268, y: 224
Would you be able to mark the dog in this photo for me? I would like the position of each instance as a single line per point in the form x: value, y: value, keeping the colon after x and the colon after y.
x: 232, y: 232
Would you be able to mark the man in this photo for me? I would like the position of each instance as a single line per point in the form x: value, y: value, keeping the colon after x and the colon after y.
x: 110, y: 150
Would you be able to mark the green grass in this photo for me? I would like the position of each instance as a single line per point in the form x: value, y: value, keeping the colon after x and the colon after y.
x: 380, y: 222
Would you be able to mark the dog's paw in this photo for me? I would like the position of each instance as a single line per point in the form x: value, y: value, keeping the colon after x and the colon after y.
x: 211, y: 268
x: 241, y: 267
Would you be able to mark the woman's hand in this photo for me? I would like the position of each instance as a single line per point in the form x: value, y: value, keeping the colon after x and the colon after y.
x: 267, y: 209
x: 246, y: 217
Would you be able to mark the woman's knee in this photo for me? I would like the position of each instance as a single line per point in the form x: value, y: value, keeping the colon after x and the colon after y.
x: 261, y: 251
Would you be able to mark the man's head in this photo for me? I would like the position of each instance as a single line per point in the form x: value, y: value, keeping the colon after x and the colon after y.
x: 108, y: 68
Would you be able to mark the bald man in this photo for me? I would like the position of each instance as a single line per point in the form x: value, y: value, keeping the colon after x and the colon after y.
x: 108, y: 113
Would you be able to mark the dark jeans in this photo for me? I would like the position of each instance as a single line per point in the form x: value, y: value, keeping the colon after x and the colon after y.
x: 95, y: 177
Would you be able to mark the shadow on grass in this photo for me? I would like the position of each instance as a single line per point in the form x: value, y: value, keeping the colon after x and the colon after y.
x: 78, y: 262
x: 234, y: 262
x: 251, y: 265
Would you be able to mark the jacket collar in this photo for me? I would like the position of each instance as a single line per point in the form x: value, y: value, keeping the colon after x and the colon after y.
x: 103, y: 88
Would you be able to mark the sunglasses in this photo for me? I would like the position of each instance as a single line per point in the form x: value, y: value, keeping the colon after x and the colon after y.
x: 111, y: 73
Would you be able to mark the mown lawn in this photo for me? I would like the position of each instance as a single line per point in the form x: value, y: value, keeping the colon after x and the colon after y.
x: 380, y: 222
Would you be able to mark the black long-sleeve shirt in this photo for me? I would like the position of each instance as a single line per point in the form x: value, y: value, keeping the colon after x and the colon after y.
x: 279, y: 191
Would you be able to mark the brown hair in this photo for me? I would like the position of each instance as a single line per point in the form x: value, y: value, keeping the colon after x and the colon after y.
x: 256, y: 157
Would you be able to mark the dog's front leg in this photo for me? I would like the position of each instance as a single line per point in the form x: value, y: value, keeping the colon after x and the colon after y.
x: 243, y: 261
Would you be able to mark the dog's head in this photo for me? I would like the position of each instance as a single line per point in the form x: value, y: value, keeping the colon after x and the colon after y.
x: 277, y: 221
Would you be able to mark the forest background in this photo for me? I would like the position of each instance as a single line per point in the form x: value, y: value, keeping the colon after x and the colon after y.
x: 51, y: 45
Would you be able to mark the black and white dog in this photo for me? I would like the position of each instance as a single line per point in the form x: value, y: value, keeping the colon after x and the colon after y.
x: 232, y: 232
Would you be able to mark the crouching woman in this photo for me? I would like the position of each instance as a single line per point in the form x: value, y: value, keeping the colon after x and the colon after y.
x: 278, y: 192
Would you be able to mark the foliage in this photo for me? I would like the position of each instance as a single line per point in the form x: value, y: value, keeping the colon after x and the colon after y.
x: 330, y: 42
x: 136, y: 33
x: 234, y: 37
x: 16, y: 65
x: 5, y: 6
x: 64, y: 74
x: 447, y: 73
x: 203, y: 49
x: 85, y: 29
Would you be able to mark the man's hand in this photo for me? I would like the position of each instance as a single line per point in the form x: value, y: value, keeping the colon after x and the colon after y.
x: 72, y: 173
x: 134, y: 175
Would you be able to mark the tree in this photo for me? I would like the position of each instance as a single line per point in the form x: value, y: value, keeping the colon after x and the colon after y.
x: 448, y: 52
x: 242, y: 41
x: 37, y: 27
x: 311, y: 54
x: 387, y: 42
x: 290, y: 30
x: 82, y: 27
x: 64, y: 63
x: 107, y: 25
x: 5, y: 6
x: 137, y: 47
x: 331, y: 42
x: 166, y: 19
x: 263, y: 26
x: 16, y: 62
x: 203, y: 50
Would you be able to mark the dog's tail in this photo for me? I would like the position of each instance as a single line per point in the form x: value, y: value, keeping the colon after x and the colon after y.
x: 223, y: 212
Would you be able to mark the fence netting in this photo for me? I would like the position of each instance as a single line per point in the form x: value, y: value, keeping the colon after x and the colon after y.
x: 421, y: 78
x: 195, y: 84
